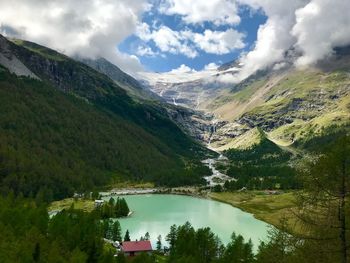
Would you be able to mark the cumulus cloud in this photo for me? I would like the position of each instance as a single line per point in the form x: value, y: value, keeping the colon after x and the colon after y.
x: 211, y: 66
x: 95, y: 28
x: 219, y: 12
x: 312, y: 27
x: 273, y: 37
x: 217, y: 42
x: 188, y: 43
x: 83, y: 27
x: 183, y: 69
x: 167, y: 40
x: 320, y: 26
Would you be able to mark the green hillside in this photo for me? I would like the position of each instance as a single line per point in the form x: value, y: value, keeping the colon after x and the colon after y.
x: 76, y: 129
x: 290, y: 105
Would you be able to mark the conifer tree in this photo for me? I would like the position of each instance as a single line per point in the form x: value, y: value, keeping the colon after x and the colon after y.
x: 127, y: 236
x: 116, y: 231
x: 159, y: 243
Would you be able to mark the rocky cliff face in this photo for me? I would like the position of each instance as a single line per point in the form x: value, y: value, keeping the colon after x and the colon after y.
x: 197, y: 124
x: 287, y: 104
x: 133, y: 87
x: 11, y: 62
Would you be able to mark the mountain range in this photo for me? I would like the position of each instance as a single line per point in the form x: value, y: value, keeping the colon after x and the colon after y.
x: 69, y: 124
x: 289, y: 104
x: 67, y: 127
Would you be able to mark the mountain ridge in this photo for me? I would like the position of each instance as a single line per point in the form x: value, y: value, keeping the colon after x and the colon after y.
x: 73, y: 128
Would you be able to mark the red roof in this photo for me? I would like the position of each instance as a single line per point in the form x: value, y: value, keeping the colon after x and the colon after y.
x: 136, y: 246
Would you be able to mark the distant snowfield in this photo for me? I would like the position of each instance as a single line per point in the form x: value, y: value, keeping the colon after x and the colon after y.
x: 176, y: 77
x: 179, y: 76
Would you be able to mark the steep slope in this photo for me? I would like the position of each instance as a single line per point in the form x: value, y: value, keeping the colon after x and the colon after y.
x: 290, y: 104
x: 74, y: 128
x: 133, y: 87
x: 287, y: 103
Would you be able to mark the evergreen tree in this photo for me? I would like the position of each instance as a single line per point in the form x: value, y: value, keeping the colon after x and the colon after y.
x: 111, y: 201
x: 323, y: 203
x: 124, y: 208
x: 127, y: 236
x: 116, y: 231
x: 279, y: 247
x: 159, y: 243
x: 172, y: 236
x: 36, y: 253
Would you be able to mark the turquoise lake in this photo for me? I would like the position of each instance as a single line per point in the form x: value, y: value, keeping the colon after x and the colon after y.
x: 156, y: 213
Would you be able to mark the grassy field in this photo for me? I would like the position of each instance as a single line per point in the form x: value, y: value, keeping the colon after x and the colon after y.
x: 130, y: 184
x: 268, y: 208
x: 82, y: 204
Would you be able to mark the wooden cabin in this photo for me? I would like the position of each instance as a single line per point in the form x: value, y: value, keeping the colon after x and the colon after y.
x: 133, y: 248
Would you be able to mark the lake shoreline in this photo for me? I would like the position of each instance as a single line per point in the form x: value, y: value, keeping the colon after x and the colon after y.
x: 248, y: 202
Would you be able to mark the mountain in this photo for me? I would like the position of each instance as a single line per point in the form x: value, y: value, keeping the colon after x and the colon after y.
x: 65, y: 127
x: 287, y: 103
x: 133, y: 87
x: 193, y: 122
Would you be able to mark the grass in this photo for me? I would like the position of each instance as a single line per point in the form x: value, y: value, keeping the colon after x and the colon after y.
x: 247, y: 92
x: 268, y: 208
x: 43, y: 51
x: 82, y: 204
x: 130, y: 184
x: 243, y: 141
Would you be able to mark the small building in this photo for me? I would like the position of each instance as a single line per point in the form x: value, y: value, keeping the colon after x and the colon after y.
x: 133, y: 248
x: 99, y: 203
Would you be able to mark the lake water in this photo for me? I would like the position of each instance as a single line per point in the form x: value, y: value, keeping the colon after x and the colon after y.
x: 156, y: 213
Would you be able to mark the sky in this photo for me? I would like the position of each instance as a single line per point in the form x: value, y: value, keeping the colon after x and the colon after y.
x: 162, y: 57
x: 183, y: 36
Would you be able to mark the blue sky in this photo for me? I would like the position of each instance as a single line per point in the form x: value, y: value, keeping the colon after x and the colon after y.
x: 162, y: 35
x: 166, y: 61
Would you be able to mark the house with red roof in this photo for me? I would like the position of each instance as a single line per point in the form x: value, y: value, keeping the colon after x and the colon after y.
x: 132, y: 248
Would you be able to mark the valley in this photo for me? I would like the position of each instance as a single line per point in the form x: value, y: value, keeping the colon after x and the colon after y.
x: 175, y: 131
x: 287, y: 104
x: 188, y: 150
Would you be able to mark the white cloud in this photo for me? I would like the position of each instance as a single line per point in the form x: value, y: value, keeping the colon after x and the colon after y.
x: 219, y: 42
x: 183, y: 69
x: 95, y: 28
x: 84, y: 27
x: 167, y: 40
x: 273, y: 38
x: 145, y: 51
x: 189, y: 43
x: 314, y: 27
x: 320, y: 26
x: 211, y: 66
x: 219, y: 12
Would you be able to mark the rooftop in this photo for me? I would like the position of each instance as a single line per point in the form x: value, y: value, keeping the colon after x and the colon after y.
x: 136, y: 246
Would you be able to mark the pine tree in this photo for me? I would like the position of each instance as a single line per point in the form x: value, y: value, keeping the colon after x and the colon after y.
x: 36, y: 253
x: 171, y: 237
x: 111, y: 201
x: 127, y: 236
x: 323, y: 203
x: 116, y: 231
x: 159, y: 243
x: 124, y: 208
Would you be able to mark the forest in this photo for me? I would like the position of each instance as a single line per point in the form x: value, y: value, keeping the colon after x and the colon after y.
x: 54, y: 144
x: 29, y: 235
x: 262, y: 166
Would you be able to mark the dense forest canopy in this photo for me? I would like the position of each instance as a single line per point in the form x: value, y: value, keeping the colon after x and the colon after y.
x: 57, y: 144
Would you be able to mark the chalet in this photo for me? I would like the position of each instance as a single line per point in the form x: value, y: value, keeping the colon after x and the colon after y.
x: 132, y: 248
